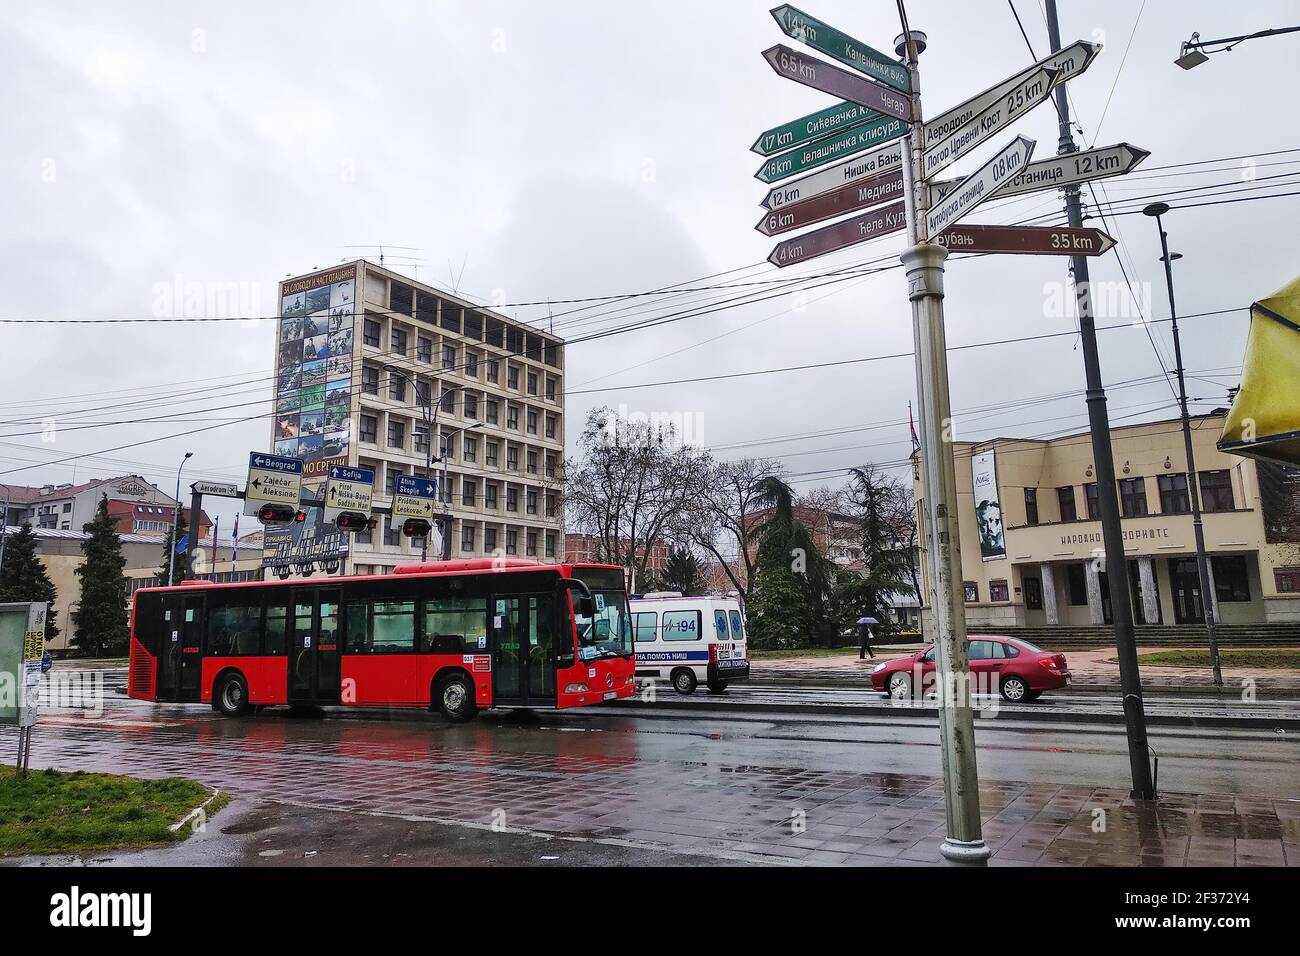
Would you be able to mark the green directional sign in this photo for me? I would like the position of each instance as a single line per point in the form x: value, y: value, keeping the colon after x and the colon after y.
x: 822, y: 36
x: 823, y: 151
x: 813, y: 126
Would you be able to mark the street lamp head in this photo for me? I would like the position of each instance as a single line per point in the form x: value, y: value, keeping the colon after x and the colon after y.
x: 1188, y: 55
x: 900, y: 43
x: 188, y: 454
x: 1156, y: 209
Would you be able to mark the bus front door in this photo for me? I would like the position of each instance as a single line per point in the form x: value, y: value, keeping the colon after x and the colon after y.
x: 180, y: 662
x: 314, y: 648
x: 524, y: 650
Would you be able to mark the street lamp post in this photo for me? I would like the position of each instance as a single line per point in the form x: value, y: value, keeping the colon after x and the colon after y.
x: 442, y: 485
x: 4, y: 527
x: 176, y: 513
x: 1156, y: 210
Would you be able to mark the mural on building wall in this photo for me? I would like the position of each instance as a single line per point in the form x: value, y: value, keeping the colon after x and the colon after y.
x: 988, y: 510
x: 313, y: 403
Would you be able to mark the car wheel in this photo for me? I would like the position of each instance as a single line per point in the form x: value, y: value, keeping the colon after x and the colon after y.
x: 684, y: 681
x: 1014, y: 689
x: 454, y: 695
x: 232, y: 696
x: 900, y: 686
x: 717, y: 687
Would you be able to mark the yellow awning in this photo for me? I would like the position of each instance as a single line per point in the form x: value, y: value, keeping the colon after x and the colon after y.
x: 1264, y: 421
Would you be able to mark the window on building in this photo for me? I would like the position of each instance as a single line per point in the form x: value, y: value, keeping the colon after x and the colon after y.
x: 448, y: 400
x: 1033, y: 593
x: 473, y: 325
x: 551, y: 387
x: 972, y: 590
x: 532, y: 462
x: 512, y: 417
x: 492, y: 412
x: 471, y: 448
x: 550, y: 465
x: 468, y: 492
x: 532, y: 383
x: 1091, y: 499
x: 550, y: 505
x: 1173, y: 495
x: 530, y: 502
x: 998, y: 591
x: 489, y: 496
x: 392, y: 532
x: 423, y: 393
x: 1133, y: 497
x: 492, y: 454
x: 512, y: 458
x: 1286, y: 580
x: 449, y: 356
x: 493, y: 371
x: 369, y: 427
x: 1231, y: 577
x: 489, y: 540
x: 370, y: 333
x: 396, y: 434
x: 512, y: 541
x: 369, y: 380
x: 471, y: 405
x: 1065, y: 501
x: 421, y: 436
x: 396, y: 387
x: 512, y: 499
x: 471, y: 364
x: 401, y: 298
x: 550, y: 544
x: 424, y: 349
x: 467, y: 538
x: 450, y: 317
x: 398, y: 341
x: 1031, y: 506
x: 1216, y: 491
x: 1077, y: 579
x: 530, y: 544
x: 512, y: 376
x: 532, y: 422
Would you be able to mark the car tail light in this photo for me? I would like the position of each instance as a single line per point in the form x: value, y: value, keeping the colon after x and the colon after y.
x: 713, y: 653
x: 1055, y: 665
x: 575, y: 688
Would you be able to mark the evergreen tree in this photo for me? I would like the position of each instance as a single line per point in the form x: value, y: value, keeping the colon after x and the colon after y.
x: 23, y: 577
x: 100, y: 622
x: 682, y: 572
x: 182, y: 571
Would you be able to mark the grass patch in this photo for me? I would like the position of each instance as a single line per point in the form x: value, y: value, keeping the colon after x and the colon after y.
x: 1270, y: 658
x: 50, y: 811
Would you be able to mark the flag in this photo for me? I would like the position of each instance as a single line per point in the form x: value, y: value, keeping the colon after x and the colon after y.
x: 234, y: 546
x: 183, y: 543
x: 916, y: 442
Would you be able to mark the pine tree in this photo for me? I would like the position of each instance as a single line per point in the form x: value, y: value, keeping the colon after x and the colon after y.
x: 182, y: 571
x: 682, y: 572
x: 23, y: 577
x: 100, y: 622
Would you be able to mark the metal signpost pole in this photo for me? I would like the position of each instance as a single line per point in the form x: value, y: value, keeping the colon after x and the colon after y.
x: 1107, y: 494
x: 1193, y: 489
x: 963, y: 842
x: 196, y: 509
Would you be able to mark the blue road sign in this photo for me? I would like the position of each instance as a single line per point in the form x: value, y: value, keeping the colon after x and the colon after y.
x: 260, y: 459
x: 348, y: 473
x: 416, y: 487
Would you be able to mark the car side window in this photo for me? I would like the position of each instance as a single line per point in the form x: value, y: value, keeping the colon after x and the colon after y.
x: 928, y: 658
x: 979, y: 651
x: 1010, y: 650
x: 998, y: 648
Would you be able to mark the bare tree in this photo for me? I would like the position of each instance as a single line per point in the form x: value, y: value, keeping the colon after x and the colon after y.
x: 629, y: 484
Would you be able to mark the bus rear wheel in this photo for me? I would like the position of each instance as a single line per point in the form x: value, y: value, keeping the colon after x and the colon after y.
x: 454, y: 697
x: 232, y: 696
x: 684, y: 680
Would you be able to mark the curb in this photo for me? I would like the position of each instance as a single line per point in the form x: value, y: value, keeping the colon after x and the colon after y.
x: 1194, y: 690
x: 1045, y: 716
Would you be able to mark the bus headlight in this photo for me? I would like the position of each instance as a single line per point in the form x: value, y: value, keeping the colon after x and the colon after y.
x: 575, y: 688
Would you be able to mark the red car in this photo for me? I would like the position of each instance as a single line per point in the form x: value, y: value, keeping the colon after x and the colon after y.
x: 1019, y: 670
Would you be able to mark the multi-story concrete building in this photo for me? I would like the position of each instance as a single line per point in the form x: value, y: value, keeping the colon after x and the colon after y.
x: 1030, y: 535
x: 379, y: 371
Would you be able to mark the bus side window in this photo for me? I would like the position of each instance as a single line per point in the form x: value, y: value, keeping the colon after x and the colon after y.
x: 273, y: 635
x: 720, y: 623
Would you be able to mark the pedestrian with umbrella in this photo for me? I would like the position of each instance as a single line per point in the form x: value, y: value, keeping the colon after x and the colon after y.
x: 865, y: 637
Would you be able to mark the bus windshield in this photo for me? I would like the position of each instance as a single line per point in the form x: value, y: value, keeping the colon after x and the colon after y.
x: 609, y: 633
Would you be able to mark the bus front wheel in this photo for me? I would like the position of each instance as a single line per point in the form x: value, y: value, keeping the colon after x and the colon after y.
x: 454, y: 696
x: 232, y: 696
x: 684, y: 680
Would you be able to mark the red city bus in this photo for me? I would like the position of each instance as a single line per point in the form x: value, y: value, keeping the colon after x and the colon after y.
x: 453, y: 635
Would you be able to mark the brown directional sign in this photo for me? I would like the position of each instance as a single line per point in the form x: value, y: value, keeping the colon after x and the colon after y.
x: 840, y: 235
x: 1026, y: 240
x: 859, y: 195
x: 820, y: 75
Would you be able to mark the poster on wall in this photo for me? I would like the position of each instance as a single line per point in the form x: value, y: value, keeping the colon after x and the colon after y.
x: 988, y: 510
x: 313, y: 403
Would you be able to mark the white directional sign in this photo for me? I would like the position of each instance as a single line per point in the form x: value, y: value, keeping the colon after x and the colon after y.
x: 1081, y: 167
x: 1035, y: 89
x: 414, y: 497
x: 348, y: 489
x: 219, y: 488
x: 272, y: 478
x: 980, y: 185
x: 883, y: 160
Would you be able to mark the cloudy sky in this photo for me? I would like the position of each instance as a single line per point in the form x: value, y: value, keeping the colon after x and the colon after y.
x: 524, y: 151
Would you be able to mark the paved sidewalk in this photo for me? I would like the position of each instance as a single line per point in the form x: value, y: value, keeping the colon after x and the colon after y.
x: 1088, y: 668
x: 709, y: 808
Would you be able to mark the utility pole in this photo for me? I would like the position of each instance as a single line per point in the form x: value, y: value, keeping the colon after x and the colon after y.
x: 1103, y: 458
x: 1158, y: 209
x: 964, y: 840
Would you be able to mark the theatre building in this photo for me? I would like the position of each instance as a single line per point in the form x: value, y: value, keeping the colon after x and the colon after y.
x: 1031, y: 538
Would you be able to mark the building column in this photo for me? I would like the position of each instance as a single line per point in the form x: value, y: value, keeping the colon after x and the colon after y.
x: 1147, y: 584
x: 1096, y: 612
x: 1048, y: 577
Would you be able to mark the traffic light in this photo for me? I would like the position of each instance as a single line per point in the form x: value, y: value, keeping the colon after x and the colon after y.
x: 279, y: 514
x: 415, y: 527
x: 354, y: 521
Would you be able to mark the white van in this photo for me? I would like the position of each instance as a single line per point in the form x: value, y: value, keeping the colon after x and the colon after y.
x: 689, y: 640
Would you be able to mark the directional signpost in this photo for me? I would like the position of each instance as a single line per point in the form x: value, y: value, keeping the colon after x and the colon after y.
x: 348, y: 489
x: 813, y: 126
x: 1025, y: 240
x: 874, y: 163
x: 966, y: 136
x: 413, y: 497
x: 854, y: 140
x: 221, y: 489
x: 824, y: 37
x: 272, y: 479
x: 841, y: 235
x: 1060, y: 171
x: 980, y: 185
x: 859, y: 195
x: 810, y: 71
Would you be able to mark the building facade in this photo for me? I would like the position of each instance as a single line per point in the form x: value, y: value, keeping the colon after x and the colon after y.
x: 379, y: 371
x: 1031, y: 543
x: 135, y: 505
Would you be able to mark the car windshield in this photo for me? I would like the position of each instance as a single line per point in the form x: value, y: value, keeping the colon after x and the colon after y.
x: 1029, y: 647
x: 609, y: 633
